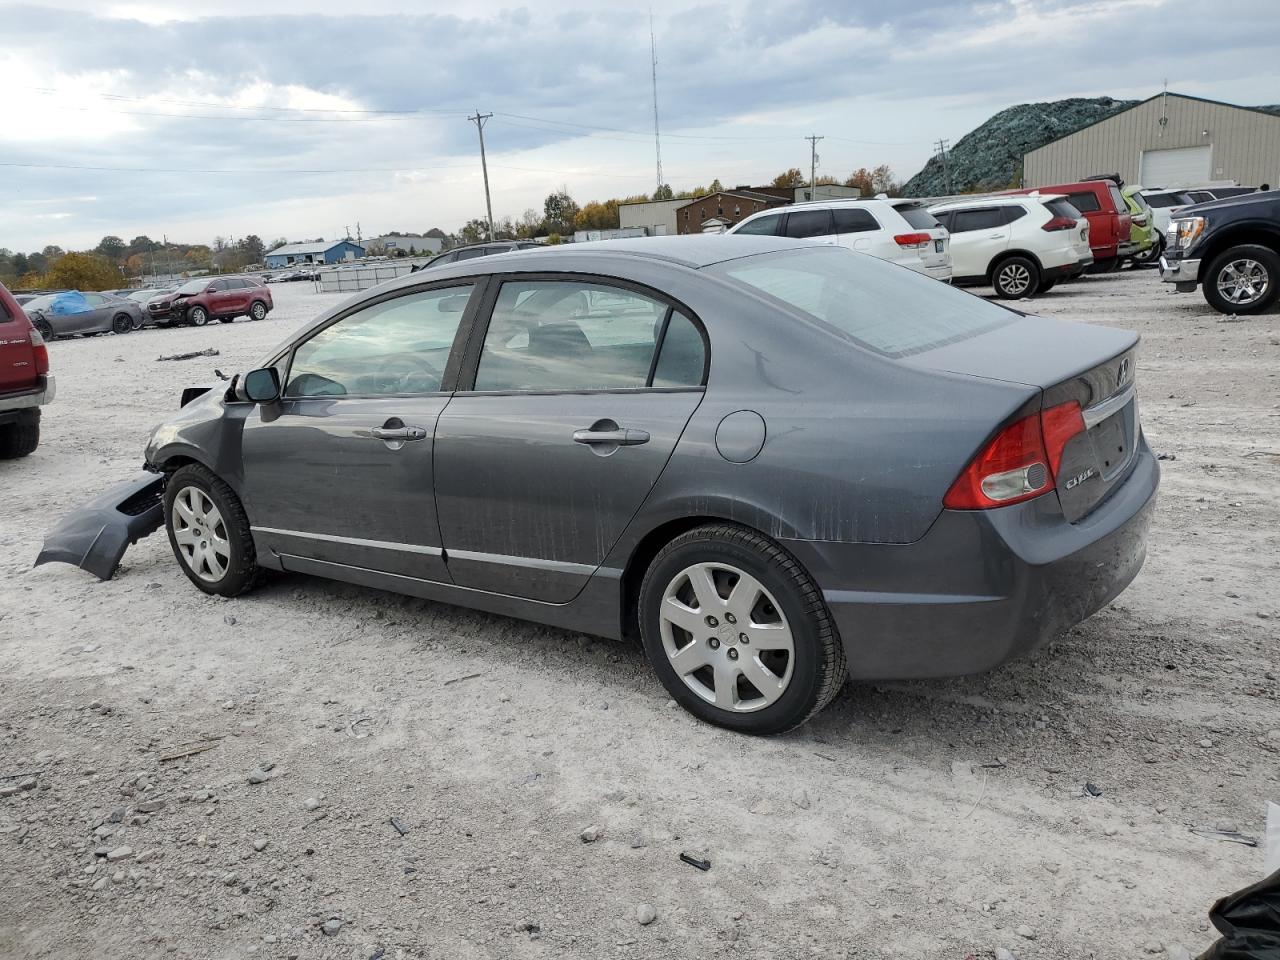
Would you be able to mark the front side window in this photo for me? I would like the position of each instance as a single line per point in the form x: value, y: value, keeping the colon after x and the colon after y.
x: 761, y: 226
x: 887, y: 309
x: 398, y: 346
x: 809, y: 223
x: 565, y: 335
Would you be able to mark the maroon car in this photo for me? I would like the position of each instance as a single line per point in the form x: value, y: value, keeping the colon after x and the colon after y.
x: 223, y: 298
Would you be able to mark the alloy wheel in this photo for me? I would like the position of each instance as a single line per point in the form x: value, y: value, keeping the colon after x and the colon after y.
x: 258, y: 311
x: 122, y: 323
x: 201, y: 534
x: 726, y: 637
x: 1243, y: 282
x: 1014, y: 278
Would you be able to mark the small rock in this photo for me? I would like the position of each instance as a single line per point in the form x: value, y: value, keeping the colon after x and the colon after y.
x: 311, y: 803
x: 331, y: 927
x: 8, y: 790
x: 120, y: 853
x: 150, y: 806
x: 1206, y: 743
x: 801, y: 799
x: 258, y: 776
x: 590, y: 835
x: 1093, y: 790
x: 1153, y: 946
x: 231, y: 879
x: 1026, y: 933
x: 1003, y: 954
x: 645, y: 914
x: 259, y: 845
x: 229, y: 620
x: 27, y: 783
x: 100, y: 883
x: 1111, y: 831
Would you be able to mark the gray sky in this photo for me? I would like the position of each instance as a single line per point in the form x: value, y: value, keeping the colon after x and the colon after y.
x: 190, y: 106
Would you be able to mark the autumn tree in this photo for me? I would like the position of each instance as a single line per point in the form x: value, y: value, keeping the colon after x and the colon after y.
x: 560, y: 210
x: 82, y: 271
x: 529, y: 225
x: 790, y: 178
x: 860, y: 178
x: 597, y: 216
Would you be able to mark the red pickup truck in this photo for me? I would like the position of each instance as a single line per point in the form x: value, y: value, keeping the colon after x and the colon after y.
x: 1103, y: 206
x: 25, y: 381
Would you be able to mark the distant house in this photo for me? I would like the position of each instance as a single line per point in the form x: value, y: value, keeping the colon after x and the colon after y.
x: 321, y: 251
x: 717, y: 212
x: 392, y: 244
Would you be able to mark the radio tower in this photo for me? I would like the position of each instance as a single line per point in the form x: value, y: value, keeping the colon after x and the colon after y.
x: 657, y: 140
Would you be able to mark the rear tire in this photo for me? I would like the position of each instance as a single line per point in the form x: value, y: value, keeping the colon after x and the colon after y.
x: 797, y: 663
x: 1150, y: 255
x: 209, y: 532
x: 257, y: 310
x: 45, y: 328
x: 121, y: 324
x: 19, y: 439
x: 1015, y: 278
x: 1046, y: 286
x: 225, y: 319
x: 197, y: 316
x: 1243, y: 279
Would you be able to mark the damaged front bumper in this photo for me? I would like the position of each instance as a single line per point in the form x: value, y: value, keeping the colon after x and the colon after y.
x: 95, y: 536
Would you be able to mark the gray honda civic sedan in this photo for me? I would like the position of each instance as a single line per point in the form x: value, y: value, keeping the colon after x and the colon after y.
x: 777, y: 464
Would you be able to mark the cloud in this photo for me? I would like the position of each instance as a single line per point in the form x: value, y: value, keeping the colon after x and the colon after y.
x: 740, y: 83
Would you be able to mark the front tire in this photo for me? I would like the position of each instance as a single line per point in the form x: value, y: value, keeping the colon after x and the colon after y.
x: 737, y: 632
x: 257, y: 310
x: 121, y: 324
x: 44, y: 328
x: 1243, y: 279
x: 1015, y: 278
x: 197, y: 316
x: 209, y: 532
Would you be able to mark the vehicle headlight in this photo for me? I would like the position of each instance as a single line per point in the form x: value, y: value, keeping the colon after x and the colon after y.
x: 1187, y: 230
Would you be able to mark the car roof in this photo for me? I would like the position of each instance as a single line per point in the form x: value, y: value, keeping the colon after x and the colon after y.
x: 994, y: 201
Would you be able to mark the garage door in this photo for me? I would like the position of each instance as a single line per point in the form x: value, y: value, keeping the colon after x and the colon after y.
x: 1176, y: 168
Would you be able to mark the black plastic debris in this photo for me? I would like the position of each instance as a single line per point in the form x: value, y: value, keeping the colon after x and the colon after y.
x: 1249, y: 921
x: 703, y: 865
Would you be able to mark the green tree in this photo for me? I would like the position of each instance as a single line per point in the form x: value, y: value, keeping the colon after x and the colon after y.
x: 474, y: 231
x: 530, y: 224
x: 82, y: 271
x: 111, y: 248
x: 560, y: 211
x: 19, y: 264
x: 790, y: 178
x: 664, y: 192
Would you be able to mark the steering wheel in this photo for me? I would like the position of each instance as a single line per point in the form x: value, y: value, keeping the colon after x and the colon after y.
x: 404, y: 371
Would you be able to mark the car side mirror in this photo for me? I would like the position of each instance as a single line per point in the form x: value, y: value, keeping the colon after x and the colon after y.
x: 262, y: 386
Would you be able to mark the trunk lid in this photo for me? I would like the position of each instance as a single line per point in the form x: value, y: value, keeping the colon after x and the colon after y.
x: 1094, y: 366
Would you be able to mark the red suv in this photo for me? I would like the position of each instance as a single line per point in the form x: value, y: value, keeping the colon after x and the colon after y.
x: 1103, y: 206
x: 224, y: 298
x: 25, y: 381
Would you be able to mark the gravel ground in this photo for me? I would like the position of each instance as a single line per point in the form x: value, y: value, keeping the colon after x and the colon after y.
x: 939, y: 819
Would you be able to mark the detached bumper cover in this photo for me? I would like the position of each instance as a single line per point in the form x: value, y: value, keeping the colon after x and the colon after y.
x: 983, y: 586
x: 94, y: 537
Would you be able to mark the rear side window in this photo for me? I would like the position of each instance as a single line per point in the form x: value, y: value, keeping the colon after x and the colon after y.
x: 966, y: 221
x: 889, y: 310
x: 682, y: 358
x: 474, y: 252
x: 1085, y: 201
x: 809, y: 223
x: 1163, y: 200
x: 761, y: 227
x: 398, y: 346
x: 1117, y: 198
x: 1063, y: 208
x: 917, y: 216
x: 854, y: 220
x: 564, y: 335
x: 1012, y: 212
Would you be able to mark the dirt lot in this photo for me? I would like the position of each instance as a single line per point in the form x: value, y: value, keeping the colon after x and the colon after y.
x: 494, y: 744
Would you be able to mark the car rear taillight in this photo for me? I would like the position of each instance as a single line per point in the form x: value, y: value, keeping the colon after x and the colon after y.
x: 41, y: 351
x: 1059, y: 223
x: 912, y: 240
x: 1019, y: 463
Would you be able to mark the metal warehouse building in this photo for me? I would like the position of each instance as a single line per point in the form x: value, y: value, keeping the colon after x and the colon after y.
x: 1169, y: 140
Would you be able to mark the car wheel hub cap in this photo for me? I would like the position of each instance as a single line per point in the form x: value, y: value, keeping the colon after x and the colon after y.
x: 1015, y: 278
x: 726, y: 637
x: 201, y: 534
x: 1242, y: 281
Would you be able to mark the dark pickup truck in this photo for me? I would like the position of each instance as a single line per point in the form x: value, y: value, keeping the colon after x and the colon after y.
x: 25, y: 382
x: 1230, y: 248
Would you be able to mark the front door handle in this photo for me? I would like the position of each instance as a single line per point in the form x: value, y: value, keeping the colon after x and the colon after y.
x: 399, y: 433
x: 618, y: 436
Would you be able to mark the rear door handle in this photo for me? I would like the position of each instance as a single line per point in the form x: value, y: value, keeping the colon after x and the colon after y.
x: 619, y: 436
x: 399, y: 433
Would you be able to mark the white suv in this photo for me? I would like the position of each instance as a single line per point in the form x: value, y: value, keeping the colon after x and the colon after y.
x: 1020, y: 245
x: 901, y: 231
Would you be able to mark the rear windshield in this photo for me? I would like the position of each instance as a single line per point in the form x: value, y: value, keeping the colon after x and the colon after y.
x: 1140, y: 200
x: 883, y: 307
x: 918, y: 216
x: 1063, y: 208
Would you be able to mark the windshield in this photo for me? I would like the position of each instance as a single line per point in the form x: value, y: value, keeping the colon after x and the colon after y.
x: 193, y: 286
x: 883, y: 307
x: 39, y: 303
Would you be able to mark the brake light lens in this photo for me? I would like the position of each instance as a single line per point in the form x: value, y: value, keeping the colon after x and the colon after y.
x: 1059, y: 223
x: 41, y: 351
x: 912, y: 240
x: 1019, y: 463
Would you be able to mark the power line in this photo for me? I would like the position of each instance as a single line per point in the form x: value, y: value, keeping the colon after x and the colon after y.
x: 277, y: 171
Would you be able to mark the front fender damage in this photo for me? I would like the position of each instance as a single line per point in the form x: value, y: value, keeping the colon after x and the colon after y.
x: 95, y: 536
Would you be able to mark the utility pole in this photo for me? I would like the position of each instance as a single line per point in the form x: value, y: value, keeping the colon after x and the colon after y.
x: 946, y: 173
x: 479, y: 120
x: 813, y: 166
x: 657, y: 140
